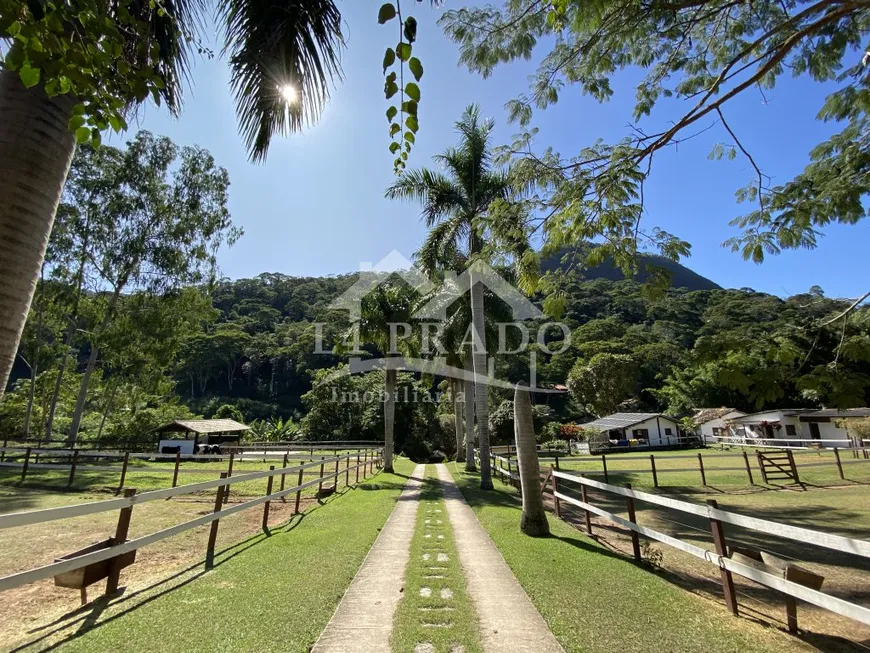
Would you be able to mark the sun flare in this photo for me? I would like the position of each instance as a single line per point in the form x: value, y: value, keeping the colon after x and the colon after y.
x: 289, y: 93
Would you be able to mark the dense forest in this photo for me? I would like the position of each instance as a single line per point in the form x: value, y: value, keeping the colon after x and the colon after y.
x: 250, y: 344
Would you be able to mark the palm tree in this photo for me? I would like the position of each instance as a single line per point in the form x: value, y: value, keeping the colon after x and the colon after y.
x: 392, y: 303
x: 534, y: 519
x: 270, y: 46
x: 454, y: 204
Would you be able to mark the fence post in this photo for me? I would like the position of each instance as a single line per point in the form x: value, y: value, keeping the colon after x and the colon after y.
x: 604, y: 462
x: 26, y: 464
x: 320, y: 485
x: 356, y: 482
x: 652, y: 462
x: 794, y: 469
x: 212, y: 536
x: 839, y: 464
x: 748, y: 468
x: 722, y: 550
x: 299, y: 491
x: 3, y: 453
x: 124, y: 471
x: 72, y: 467
x: 347, y: 472
x: 557, y: 463
x: 229, y: 474
x: 635, y: 540
x: 557, y: 506
x: 701, y: 467
x: 283, y: 476
x: 177, y: 464
x: 121, y: 530
x: 588, y: 516
x: 761, y: 467
x: 266, y: 505
x: 335, y: 486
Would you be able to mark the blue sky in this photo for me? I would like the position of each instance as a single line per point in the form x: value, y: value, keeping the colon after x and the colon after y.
x: 316, y: 207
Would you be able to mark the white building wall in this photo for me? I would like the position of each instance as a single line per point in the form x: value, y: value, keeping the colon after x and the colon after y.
x: 706, y: 428
x: 653, y: 428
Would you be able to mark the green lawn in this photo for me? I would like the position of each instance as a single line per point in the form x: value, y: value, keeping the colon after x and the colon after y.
x: 277, y: 596
x: 595, y: 601
x: 420, y: 618
x: 723, y: 469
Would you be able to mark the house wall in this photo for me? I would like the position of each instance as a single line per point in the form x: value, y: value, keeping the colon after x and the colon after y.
x: 706, y: 429
x: 656, y: 439
x: 800, y: 430
x: 827, y: 431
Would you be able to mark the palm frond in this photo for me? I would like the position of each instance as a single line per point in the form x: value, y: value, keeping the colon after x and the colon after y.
x: 173, y: 27
x: 435, y: 191
x: 274, y: 43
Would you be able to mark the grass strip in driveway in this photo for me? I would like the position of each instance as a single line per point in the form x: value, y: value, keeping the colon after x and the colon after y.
x: 436, y: 613
x: 595, y: 601
x: 275, y: 595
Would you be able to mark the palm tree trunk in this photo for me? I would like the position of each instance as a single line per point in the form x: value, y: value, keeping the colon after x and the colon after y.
x: 470, y: 465
x: 458, y: 406
x: 478, y: 357
x: 534, y: 519
x: 36, y: 149
x: 389, y: 417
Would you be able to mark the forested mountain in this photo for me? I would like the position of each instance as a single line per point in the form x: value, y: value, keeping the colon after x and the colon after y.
x: 251, y: 344
x: 680, y: 275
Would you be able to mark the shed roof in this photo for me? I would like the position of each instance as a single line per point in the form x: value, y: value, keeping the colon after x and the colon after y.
x: 833, y: 412
x: 623, y: 420
x: 203, y: 426
x: 785, y: 412
x: 704, y: 415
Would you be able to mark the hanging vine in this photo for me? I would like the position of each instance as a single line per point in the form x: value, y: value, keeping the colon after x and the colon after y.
x: 401, y: 115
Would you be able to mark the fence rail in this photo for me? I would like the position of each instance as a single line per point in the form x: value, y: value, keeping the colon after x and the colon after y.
x: 721, y: 557
x: 12, y: 520
x: 505, y: 466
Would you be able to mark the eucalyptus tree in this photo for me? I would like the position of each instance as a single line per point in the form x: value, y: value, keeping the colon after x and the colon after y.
x: 455, y: 203
x: 155, y: 222
x: 71, y: 70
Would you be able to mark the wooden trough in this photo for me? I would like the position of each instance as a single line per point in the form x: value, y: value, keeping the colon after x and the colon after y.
x: 110, y: 568
x: 772, y: 564
x: 83, y: 577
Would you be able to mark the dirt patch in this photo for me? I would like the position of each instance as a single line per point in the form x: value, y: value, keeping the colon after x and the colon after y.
x: 30, y: 610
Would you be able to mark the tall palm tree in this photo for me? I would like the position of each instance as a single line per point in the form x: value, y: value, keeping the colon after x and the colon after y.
x: 270, y: 45
x: 390, y: 304
x: 534, y: 519
x: 454, y: 204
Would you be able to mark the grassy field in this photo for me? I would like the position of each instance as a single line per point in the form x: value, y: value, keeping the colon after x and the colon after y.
x: 723, y: 469
x: 308, y: 561
x: 596, y: 600
x: 422, y: 615
x: 145, y: 475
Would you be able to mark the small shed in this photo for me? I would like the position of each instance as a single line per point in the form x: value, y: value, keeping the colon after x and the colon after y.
x: 212, y: 432
x: 654, y: 429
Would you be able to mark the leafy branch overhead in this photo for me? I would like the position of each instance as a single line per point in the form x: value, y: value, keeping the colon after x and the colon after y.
x: 695, y: 56
x: 402, y: 114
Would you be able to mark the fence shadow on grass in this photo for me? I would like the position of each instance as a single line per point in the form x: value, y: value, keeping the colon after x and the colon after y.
x: 87, y: 617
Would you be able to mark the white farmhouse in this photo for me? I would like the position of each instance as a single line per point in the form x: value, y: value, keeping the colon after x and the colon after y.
x: 651, y: 428
x: 798, y: 425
